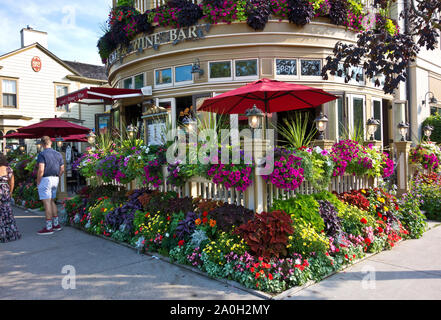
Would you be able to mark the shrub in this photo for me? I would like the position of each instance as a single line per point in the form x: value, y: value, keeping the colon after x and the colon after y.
x: 354, y: 220
x: 355, y: 198
x: 267, y: 234
x: 229, y: 215
x: 302, y: 206
x: 330, y: 218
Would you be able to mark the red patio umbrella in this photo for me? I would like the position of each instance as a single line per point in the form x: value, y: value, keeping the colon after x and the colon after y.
x: 18, y: 135
x: 74, y: 138
x: 54, y: 128
x: 269, y: 96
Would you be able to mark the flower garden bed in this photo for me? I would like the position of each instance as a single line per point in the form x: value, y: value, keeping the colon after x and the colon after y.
x: 299, y: 242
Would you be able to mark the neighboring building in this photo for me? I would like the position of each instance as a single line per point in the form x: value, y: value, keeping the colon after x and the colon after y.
x: 32, y: 77
x: 232, y: 55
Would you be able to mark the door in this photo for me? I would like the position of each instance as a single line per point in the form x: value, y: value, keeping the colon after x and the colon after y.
x: 356, y: 116
x: 377, y: 113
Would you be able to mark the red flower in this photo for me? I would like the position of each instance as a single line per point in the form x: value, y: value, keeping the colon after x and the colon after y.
x: 270, y: 276
x: 363, y: 220
x: 346, y: 256
x: 205, y: 213
x: 181, y: 243
x: 380, y: 229
x: 260, y: 258
x: 384, y: 218
x: 168, y: 218
x: 252, y: 269
x: 257, y: 275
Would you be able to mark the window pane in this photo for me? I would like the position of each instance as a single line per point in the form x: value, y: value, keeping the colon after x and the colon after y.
x: 220, y: 69
x: 286, y: 67
x: 9, y: 86
x: 9, y: 100
x: 127, y: 83
x: 246, y: 68
x: 377, y: 115
x: 358, y: 74
x: 311, y: 67
x: 61, y: 91
x: 183, y: 73
x: 139, y: 81
x: 163, y: 76
x: 341, y: 118
x: 358, y: 123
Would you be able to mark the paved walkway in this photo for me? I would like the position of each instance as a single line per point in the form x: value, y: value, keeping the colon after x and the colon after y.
x: 31, y: 268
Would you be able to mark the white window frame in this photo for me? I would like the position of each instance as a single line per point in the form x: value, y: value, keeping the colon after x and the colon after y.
x: 351, y: 98
x: 224, y: 78
x: 172, y: 113
x: 143, y: 80
x: 2, y: 92
x: 65, y: 107
x: 381, y: 114
x: 181, y: 83
x: 246, y: 77
x: 306, y: 76
x: 287, y: 77
x: 166, y: 85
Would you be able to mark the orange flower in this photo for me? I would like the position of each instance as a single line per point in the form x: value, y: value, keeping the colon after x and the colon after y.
x: 212, y: 223
x: 197, y: 221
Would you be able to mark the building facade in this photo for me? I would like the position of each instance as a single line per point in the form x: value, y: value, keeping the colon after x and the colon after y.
x: 183, y: 66
x: 32, y: 77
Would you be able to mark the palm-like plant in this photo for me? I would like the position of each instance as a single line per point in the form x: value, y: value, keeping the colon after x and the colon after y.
x: 295, y: 131
x: 357, y: 134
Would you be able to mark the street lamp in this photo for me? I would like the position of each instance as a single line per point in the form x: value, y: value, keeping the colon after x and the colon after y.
x: 131, y: 129
x: 427, y: 129
x: 255, y: 116
x: 91, y: 137
x: 320, y: 123
x: 372, y: 126
x: 403, y: 128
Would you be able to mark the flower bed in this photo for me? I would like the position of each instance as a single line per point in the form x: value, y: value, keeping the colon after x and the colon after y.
x: 298, y: 240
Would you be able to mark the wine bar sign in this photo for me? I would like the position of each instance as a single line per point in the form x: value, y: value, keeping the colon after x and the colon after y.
x: 173, y: 36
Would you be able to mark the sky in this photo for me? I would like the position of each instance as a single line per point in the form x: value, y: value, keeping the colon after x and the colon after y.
x: 73, y: 27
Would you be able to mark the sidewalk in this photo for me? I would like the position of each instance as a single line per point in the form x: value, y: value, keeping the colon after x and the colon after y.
x: 31, y: 268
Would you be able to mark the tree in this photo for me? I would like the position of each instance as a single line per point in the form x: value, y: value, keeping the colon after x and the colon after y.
x: 385, y: 51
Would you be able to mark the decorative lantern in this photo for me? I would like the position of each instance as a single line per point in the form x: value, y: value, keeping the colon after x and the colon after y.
x: 372, y: 126
x: 403, y: 128
x: 427, y: 129
x: 38, y: 144
x: 91, y: 138
x: 131, y: 129
x: 321, y: 122
x: 255, y: 116
x: 59, y: 141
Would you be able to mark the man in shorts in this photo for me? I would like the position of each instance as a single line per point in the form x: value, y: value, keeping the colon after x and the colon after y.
x: 50, y: 169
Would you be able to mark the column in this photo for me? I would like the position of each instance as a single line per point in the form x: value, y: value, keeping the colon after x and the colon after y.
x: 402, y: 149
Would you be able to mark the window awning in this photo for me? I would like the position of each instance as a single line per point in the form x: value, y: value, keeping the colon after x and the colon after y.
x: 98, y: 93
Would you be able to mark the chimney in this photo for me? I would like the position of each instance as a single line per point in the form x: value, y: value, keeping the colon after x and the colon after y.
x: 30, y: 36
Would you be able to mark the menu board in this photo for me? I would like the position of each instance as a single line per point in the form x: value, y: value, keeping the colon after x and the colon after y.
x: 156, y: 133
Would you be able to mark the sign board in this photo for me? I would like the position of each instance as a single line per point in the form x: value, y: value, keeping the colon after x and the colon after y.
x: 173, y: 36
x: 36, y: 64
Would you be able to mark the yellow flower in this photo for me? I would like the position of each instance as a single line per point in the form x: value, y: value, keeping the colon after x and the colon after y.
x: 386, y: 209
x: 363, y: 191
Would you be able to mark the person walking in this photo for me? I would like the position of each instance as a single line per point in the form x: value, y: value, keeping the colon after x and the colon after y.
x: 8, y: 225
x: 50, y: 169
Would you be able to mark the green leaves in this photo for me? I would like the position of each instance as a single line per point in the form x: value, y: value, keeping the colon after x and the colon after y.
x: 296, y: 132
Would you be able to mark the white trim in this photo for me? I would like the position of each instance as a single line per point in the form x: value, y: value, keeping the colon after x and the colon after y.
x: 381, y: 114
x: 351, y: 111
x: 172, y: 113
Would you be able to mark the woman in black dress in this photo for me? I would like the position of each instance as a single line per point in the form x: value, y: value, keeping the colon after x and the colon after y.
x: 8, y: 226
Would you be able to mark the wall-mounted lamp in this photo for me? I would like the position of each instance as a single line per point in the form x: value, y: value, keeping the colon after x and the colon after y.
x: 196, y: 67
x: 432, y: 102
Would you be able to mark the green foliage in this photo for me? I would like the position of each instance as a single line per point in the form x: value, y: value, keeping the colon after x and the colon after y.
x: 302, y: 206
x: 295, y: 131
x: 305, y: 238
x: 410, y: 215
